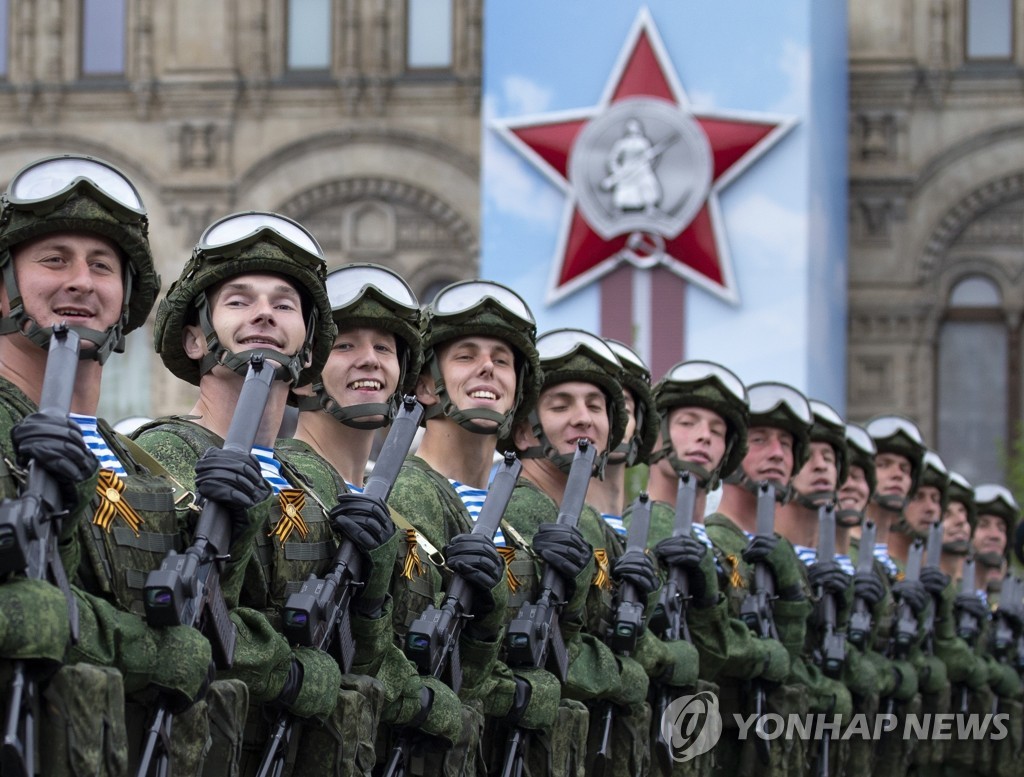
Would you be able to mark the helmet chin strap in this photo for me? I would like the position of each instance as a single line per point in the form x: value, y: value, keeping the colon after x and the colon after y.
x: 890, y: 502
x: 783, y: 491
x: 814, y: 499
x: 957, y: 548
x: 847, y: 517
x: 545, y: 450
x: 374, y: 415
x: 990, y: 560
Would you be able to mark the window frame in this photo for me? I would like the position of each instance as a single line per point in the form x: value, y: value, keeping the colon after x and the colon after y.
x: 109, y: 75
x: 429, y: 69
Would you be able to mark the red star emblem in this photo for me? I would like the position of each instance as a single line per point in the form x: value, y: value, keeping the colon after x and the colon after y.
x: 695, y: 248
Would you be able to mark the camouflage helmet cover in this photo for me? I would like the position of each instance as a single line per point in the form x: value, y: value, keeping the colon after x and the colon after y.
x: 637, y: 378
x: 780, y: 406
x: 829, y: 427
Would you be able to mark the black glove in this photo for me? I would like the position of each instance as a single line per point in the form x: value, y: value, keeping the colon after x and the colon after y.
x: 474, y: 558
x: 636, y: 568
x: 934, y: 581
x: 972, y: 605
x: 913, y: 593
x: 784, y: 566
x: 686, y: 553
x: 868, y: 588
x: 564, y: 548
x: 363, y: 519
x: 55, y: 444
x: 829, y: 577
x: 231, y: 478
x: 759, y: 549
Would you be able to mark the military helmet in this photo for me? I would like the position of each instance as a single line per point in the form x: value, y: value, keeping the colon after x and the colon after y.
x: 712, y: 386
x: 568, y: 355
x: 74, y: 193
x: 829, y: 427
x: 371, y: 296
x: 860, y: 452
x: 637, y: 378
x: 960, y: 490
x: 488, y: 309
x: 780, y: 406
x: 934, y: 473
x: 895, y: 434
x: 243, y: 244
x: 994, y: 499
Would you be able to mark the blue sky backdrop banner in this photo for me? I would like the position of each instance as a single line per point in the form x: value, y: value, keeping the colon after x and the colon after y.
x: 780, y: 215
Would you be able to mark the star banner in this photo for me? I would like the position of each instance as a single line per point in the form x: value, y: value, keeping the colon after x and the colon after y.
x: 672, y: 174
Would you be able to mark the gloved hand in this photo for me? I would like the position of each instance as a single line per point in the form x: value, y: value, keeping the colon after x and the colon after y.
x: 934, y: 580
x: 869, y: 588
x: 932, y: 675
x: 56, y: 445
x: 233, y: 480
x: 366, y: 521
x: 311, y: 688
x: 477, y: 561
x: 972, y: 605
x: 782, y: 561
x: 776, y: 660
x: 913, y: 593
x: 829, y: 577
x: 691, y: 555
x: 564, y: 548
x: 636, y: 568
x: 428, y: 705
x: 535, y: 705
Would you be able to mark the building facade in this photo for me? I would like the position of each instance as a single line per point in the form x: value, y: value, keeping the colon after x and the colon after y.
x: 936, y: 251
x: 358, y: 118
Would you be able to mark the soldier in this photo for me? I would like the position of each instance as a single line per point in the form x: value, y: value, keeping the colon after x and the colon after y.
x: 703, y: 416
x: 74, y: 249
x: 998, y: 517
x: 480, y: 372
x: 254, y: 286
x: 777, y: 445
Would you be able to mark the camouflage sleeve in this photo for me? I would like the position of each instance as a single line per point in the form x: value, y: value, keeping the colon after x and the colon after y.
x: 674, y: 662
x: 415, y: 498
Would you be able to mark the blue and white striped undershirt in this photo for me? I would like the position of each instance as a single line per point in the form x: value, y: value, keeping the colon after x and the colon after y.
x: 96, y: 443
x: 807, y: 555
x: 846, y: 564
x: 271, y: 468
x: 473, y: 499
x: 615, y: 521
x: 701, y: 533
x: 882, y: 554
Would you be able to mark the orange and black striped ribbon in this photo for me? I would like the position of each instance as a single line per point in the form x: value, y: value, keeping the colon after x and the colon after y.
x: 292, y: 501
x: 110, y: 489
x: 509, y: 555
x: 413, y: 564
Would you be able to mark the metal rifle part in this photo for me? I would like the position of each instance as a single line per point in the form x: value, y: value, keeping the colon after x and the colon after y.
x: 29, y: 531
x: 860, y: 626
x: 534, y: 634
x: 185, y: 590
x: 833, y: 641
x: 319, y: 614
x: 433, y: 639
x: 906, y: 621
x: 756, y: 610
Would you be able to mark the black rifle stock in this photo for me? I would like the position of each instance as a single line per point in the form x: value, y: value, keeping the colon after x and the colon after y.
x: 185, y: 590
x: 859, y: 630
x: 534, y: 634
x: 756, y: 609
x: 675, y: 595
x: 29, y: 530
x: 933, y: 552
x: 319, y: 613
x: 432, y: 642
x: 1003, y: 631
x: 627, y: 620
x: 833, y: 642
x: 967, y: 627
x: 906, y: 621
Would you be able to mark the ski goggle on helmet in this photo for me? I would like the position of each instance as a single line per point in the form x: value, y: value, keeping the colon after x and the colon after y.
x: 636, y: 378
x: 74, y: 193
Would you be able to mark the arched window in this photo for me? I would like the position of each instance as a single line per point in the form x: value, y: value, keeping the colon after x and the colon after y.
x: 977, y: 383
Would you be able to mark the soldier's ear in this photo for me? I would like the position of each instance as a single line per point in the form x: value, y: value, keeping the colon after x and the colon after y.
x: 523, y: 436
x: 193, y: 341
x: 426, y: 391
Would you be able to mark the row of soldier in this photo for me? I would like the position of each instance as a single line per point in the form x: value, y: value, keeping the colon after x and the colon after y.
x: 213, y: 599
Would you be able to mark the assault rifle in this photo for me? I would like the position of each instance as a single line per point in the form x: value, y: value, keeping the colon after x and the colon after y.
x: 833, y: 643
x: 534, y: 636
x: 859, y: 630
x: 670, y: 623
x: 319, y: 614
x: 906, y: 621
x: 1003, y: 633
x: 967, y: 627
x: 185, y: 590
x: 433, y: 639
x: 29, y: 530
x: 627, y: 620
x: 933, y: 552
x: 756, y: 608
x: 832, y: 650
